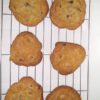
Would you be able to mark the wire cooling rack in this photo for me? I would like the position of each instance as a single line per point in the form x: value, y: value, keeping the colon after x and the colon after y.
x: 48, y: 34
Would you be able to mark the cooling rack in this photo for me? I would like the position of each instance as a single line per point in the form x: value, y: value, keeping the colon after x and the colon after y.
x: 48, y: 34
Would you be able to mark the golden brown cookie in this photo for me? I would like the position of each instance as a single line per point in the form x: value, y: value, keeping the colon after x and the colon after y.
x: 29, y: 12
x: 26, y: 50
x: 67, y: 57
x: 25, y: 89
x: 63, y: 93
x: 68, y: 13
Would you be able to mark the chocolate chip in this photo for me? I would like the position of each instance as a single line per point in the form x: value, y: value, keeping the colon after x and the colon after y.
x: 60, y: 56
x: 20, y: 60
x: 67, y: 16
x: 31, y: 85
x: 27, y: 4
x: 31, y: 57
x: 28, y: 40
x: 78, y: 9
x: 71, y: 1
x: 60, y: 5
x: 41, y: 12
x: 14, y: 7
x: 64, y: 44
x: 39, y: 87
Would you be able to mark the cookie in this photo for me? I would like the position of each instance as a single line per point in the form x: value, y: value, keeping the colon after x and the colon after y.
x: 67, y: 57
x: 29, y: 12
x: 25, y: 89
x: 26, y: 50
x: 63, y: 93
x: 68, y: 14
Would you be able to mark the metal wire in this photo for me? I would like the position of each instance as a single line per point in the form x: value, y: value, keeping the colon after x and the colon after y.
x: 88, y: 51
x: 1, y: 48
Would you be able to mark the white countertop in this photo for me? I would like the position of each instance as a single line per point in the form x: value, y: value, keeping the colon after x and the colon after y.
x: 94, y: 89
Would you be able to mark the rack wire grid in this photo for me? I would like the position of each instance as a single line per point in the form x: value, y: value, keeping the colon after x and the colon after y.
x: 48, y: 34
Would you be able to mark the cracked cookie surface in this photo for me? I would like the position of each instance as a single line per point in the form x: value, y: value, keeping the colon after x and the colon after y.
x: 67, y: 57
x: 25, y: 89
x: 26, y: 49
x: 29, y: 12
x: 68, y: 13
x: 64, y: 93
